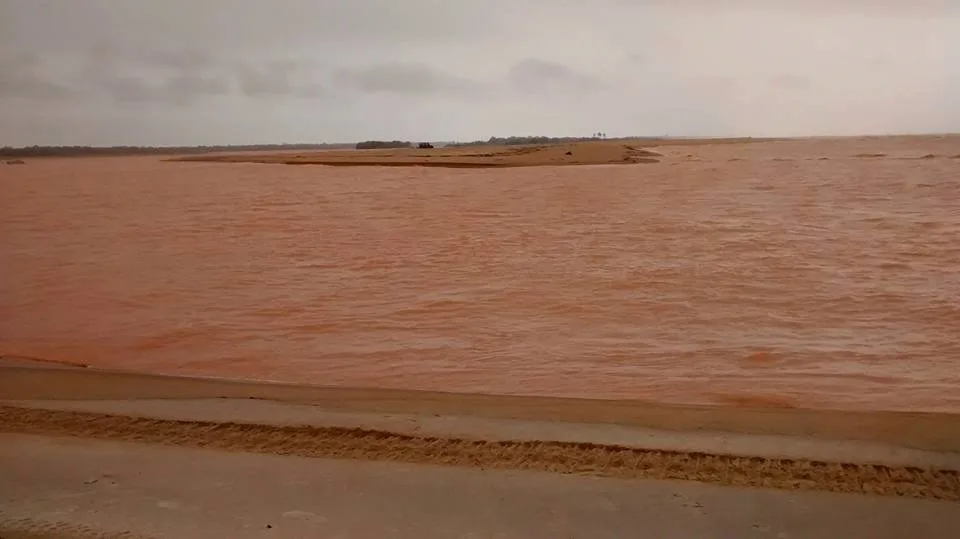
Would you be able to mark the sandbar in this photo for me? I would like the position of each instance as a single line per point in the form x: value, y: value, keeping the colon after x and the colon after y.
x: 559, y: 154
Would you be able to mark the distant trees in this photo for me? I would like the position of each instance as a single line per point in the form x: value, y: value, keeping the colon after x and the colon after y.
x: 528, y: 140
x: 514, y: 140
x: 75, y: 151
x: 382, y: 144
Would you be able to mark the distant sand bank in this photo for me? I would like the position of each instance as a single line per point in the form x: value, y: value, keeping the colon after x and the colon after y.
x: 600, y: 152
x: 580, y: 153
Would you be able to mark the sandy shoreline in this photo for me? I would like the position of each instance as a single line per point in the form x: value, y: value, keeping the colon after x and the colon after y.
x: 779, y: 448
x: 918, y: 430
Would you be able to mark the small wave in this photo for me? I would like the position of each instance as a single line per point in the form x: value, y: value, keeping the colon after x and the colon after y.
x: 753, y: 400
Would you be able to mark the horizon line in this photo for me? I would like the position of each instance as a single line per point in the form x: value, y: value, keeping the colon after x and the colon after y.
x: 459, y: 141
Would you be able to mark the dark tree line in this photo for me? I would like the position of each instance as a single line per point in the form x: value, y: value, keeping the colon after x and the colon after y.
x: 515, y: 140
x: 9, y: 152
x: 382, y: 144
x: 76, y: 151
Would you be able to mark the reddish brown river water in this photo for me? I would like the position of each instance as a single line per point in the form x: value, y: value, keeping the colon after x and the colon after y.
x: 782, y: 274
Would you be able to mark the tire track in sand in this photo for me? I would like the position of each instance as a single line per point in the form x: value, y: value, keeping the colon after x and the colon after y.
x: 29, y: 528
x: 558, y: 457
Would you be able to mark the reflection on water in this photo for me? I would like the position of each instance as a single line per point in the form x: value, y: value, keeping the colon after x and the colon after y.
x: 776, y: 274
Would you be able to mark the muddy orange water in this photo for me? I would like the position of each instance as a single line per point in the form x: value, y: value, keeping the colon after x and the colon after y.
x: 785, y: 274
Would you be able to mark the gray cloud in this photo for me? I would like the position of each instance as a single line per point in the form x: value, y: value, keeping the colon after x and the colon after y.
x: 867, y: 8
x: 22, y: 77
x: 530, y: 76
x: 413, y: 79
x: 249, y: 26
x: 534, y: 75
x: 179, y: 89
x: 276, y: 79
x: 146, y: 77
x: 178, y: 59
x: 182, y: 76
x: 791, y: 82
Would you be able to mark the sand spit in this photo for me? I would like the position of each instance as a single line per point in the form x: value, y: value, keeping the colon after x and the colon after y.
x: 581, y: 153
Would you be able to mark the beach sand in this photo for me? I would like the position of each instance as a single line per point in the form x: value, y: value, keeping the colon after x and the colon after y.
x: 82, y: 488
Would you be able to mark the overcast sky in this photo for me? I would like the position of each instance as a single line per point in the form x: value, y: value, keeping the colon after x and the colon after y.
x: 172, y: 72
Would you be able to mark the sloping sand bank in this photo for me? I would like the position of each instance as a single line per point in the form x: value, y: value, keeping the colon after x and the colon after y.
x: 917, y: 430
x: 571, y: 447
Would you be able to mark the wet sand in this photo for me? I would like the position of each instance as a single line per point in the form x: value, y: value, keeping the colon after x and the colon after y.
x: 918, y: 430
